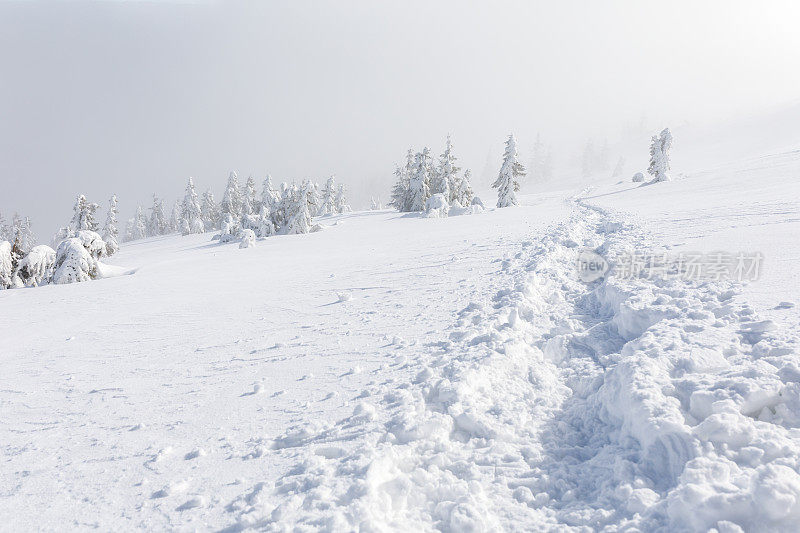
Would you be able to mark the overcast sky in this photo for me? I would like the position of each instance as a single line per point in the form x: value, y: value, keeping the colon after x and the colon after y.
x: 133, y: 97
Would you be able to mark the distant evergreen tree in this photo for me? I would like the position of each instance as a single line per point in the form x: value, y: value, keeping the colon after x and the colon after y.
x: 249, y: 199
x: 140, y: 225
x: 232, y: 199
x: 157, y: 225
x: 619, y: 168
x: 419, y: 183
x: 84, y: 215
x: 446, y: 175
x: 462, y: 189
x: 175, y: 217
x: 328, y: 202
x: 209, y: 211
x: 191, y: 213
x: 660, y: 146
x: 110, y: 231
x: 269, y: 196
x: 507, y: 182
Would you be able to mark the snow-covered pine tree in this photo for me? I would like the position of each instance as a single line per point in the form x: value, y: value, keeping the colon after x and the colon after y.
x: 401, y: 192
x: 6, y: 265
x: 328, y: 201
x: 36, y: 268
x: 191, y: 213
x: 659, y: 156
x: 298, y: 218
x: 446, y: 174
x: 419, y: 186
x: 157, y: 225
x: 21, y: 232
x: 175, y: 217
x: 139, y: 226
x: 62, y: 233
x: 232, y: 199
x: 310, y: 194
x: 249, y: 200
x: 84, y: 215
x: 110, y: 231
x: 342, y: 205
x: 73, y: 263
x: 462, y: 190
x: 507, y: 182
x: 209, y: 211
x: 130, y: 226
x: 269, y: 196
x: 5, y: 230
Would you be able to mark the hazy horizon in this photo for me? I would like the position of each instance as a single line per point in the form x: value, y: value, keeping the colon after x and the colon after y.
x: 132, y: 98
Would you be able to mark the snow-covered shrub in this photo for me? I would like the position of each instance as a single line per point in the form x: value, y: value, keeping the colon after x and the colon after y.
x: 457, y: 210
x: 248, y: 239
x: 436, y: 206
x: 638, y: 177
x: 477, y: 201
x: 92, y: 242
x: 74, y: 263
x: 36, y: 268
x: 229, y: 229
x: 6, y: 272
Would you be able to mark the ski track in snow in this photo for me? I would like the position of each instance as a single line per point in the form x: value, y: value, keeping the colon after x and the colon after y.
x: 620, y: 404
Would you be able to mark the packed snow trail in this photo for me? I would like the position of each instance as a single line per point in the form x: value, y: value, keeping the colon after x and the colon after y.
x: 624, y: 403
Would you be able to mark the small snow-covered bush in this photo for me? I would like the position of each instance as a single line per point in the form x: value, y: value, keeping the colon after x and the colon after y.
x: 6, y: 272
x: 92, y: 242
x: 638, y: 177
x: 36, y: 268
x: 229, y: 229
x: 74, y: 263
x: 469, y: 210
x: 248, y: 239
x: 477, y: 201
x: 436, y: 206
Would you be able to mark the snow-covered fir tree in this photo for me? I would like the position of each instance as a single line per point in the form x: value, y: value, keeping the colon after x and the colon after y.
x: 157, y: 225
x: 110, y: 231
x: 191, y: 213
x: 175, y: 217
x: 140, y: 225
x: 37, y: 267
x: 419, y: 185
x: 73, y: 263
x: 446, y: 173
x: 462, y: 190
x: 507, y: 182
x: 84, y: 215
x: 328, y: 201
x: 249, y: 199
x: 232, y: 199
x: 209, y: 211
x: 298, y: 217
x: 6, y: 265
x: 342, y: 205
x: 400, y: 197
x: 269, y: 196
x: 5, y: 230
x: 311, y: 196
x: 21, y: 233
x: 62, y: 233
x: 660, y: 146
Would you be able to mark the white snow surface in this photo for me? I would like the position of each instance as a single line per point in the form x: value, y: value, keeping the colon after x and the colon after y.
x: 398, y: 373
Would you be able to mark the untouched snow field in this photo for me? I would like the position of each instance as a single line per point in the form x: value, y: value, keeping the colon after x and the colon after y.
x: 401, y: 373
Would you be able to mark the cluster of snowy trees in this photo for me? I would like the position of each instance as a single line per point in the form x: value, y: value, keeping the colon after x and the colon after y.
x: 420, y: 179
x: 78, y: 249
x: 286, y: 210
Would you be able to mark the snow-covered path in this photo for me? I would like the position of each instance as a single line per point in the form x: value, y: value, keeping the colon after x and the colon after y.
x: 556, y: 403
x: 397, y: 373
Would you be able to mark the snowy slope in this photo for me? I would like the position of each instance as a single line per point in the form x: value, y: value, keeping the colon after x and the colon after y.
x: 397, y: 373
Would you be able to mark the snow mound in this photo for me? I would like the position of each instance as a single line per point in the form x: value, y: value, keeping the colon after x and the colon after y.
x: 436, y: 207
